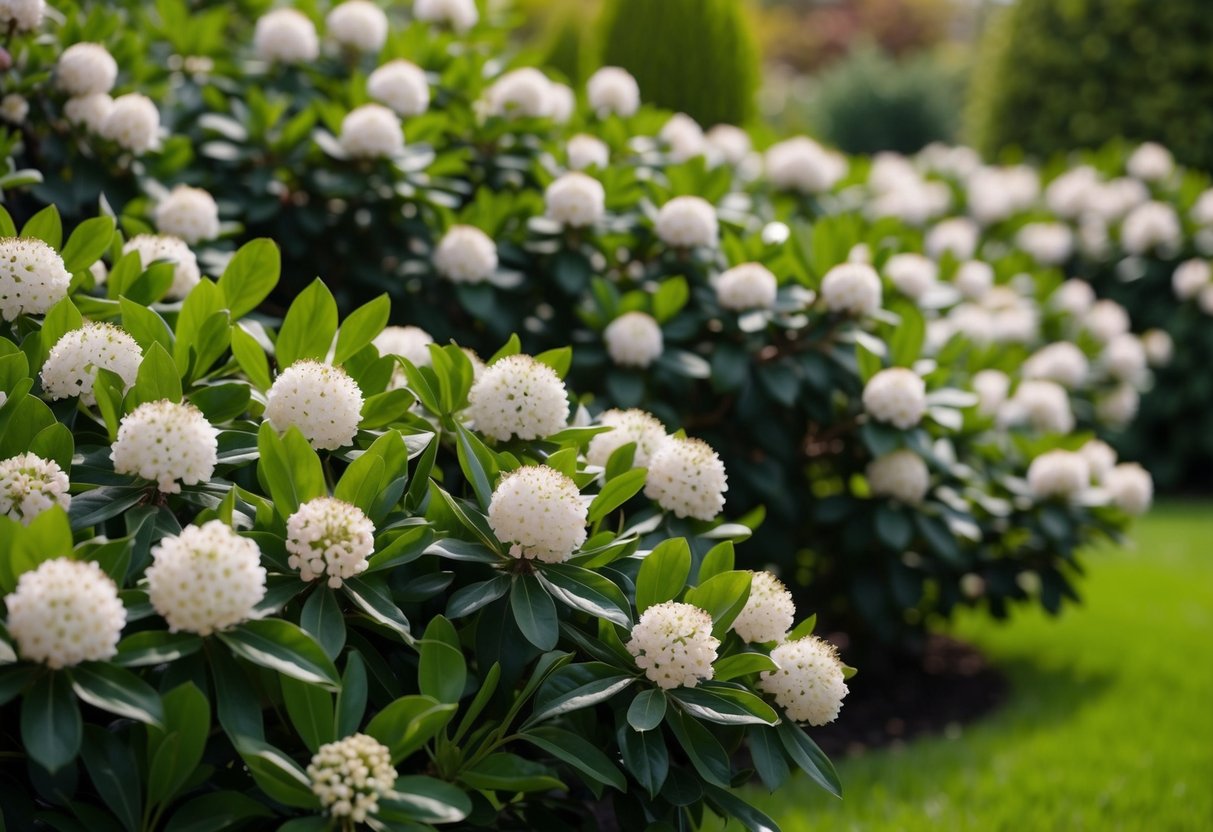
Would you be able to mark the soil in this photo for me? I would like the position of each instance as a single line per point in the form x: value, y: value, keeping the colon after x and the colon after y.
x: 949, y: 685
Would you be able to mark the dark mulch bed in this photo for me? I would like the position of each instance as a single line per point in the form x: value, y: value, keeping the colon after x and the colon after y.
x: 949, y: 685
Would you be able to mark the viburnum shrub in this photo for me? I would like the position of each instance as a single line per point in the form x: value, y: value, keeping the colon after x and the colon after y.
x: 266, y: 575
x: 790, y: 308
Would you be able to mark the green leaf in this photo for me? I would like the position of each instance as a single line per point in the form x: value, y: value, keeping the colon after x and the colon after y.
x: 730, y: 805
x: 250, y: 276
x: 409, y: 722
x: 145, y: 325
x: 216, y: 812
x: 367, y: 475
x: 577, y: 752
x: 88, y: 243
x: 905, y: 344
x: 203, y: 302
x: 720, y: 558
x: 723, y: 596
x: 647, y: 710
x: 441, y: 669
x: 869, y: 362
x: 726, y: 706
x: 309, y: 326
x: 322, y: 618
x: 587, y: 591
x: 558, y: 359
x: 251, y: 358
x: 534, y: 612
x: 646, y: 757
x: 663, y: 573
x: 221, y: 402
x: 467, y: 599
x: 51, y: 728
x: 421, y: 799
x: 153, y: 647
x: 175, y: 752
x: 704, y: 751
x: 575, y: 687
x: 511, y: 347
x: 54, y: 442
x: 311, y: 712
x: 669, y: 298
x: 767, y: 753
x: 281, y: 646
x: 157, y: 377
x: 742, y: 664
x: 46, y: 226
x: 361, y: 327
x: 278, y: 775
x: 507, y: 772
x: 811, y: 759
x: 109, y: 761
x: 351, y: 699
x: 616, y: 492
x: 893, y: 527
x: 118, y: 691
x: 478, y: 464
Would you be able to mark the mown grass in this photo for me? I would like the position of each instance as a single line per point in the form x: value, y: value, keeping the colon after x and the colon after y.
x: 1109, y: 725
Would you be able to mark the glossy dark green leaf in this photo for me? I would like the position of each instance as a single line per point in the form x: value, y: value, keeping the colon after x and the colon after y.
x: 663, y: 573
x: 577, y: 752
x: 409, y: 722
x: 250, y: 276
x: 645, y: 757
x: 421, y: 799
x: 811, y: 759
x: 587, y: 591
x: 310, y: 709
x: 647, y: 710
x: 175, y: 751
x: 322, y: 618
x: 441, y: 668
x: 505, y: 772
x: 309, y: 326
x: 534, y: 612
x: 51, y: 728
x: 575, y: 687
x: 281, y: 646
x: 118, y: 691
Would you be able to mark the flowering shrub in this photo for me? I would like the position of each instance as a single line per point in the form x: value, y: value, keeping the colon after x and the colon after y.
x: 266, y: 573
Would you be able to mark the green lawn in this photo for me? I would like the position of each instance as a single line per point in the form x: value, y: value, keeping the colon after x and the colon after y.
x: 1110, y: 721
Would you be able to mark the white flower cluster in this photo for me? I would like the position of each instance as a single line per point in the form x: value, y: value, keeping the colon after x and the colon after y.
x: 539, y: 511
x: 1044, y: 405
x: 897, y: 396
x: 612, y: 90
x: 991, y: 387
x: 14, y: 107
x: 326, y: 536
x: 634, y: 339
x: 627, y: 427
x: 1151, y: 162
x: 154, y: 247
x: 526, y: 93
x: 1158, y: 346
x: 518, y: 396
x: 1106, y: 320
x: 899, y: 190
x: 996, y: 193
x: 1149, y: 227
x: 71, y: 367
x: 65, y: 612
x: 902, y: 475
x: 1058, y: 474
x: 1131, y: 487
x: 585, y: 151
x: 86, y: 69
x: 371, y: 131
x: 460, y: 15
x: 1124, y: 359
x: 286, y: 36
x: 851, y: 289
x: 21, y: 15
x: 188, y: 213
x: 673, y: 645
x: 1118, y: 407
x: 32, y: 277
x: 206, y: 579
x: 802, y: 165
x: 351, y: 775
x: 465, y: 255
x: 732, y: 145
x: 912, y: 274
x: 1049, y: 243
x: 768, y: 613
x: 575, y: 200
x: 132, y: 122
x: 319, y: 399
x: 1074, y: 297
x: 974, y: 279
x: 358, y: 25
x: 1061, y: 362
x: 688, y: 222
x: 166, y: 442
x: 1100, y: 457
x: 809, y: 683
x: 1190, y: 277
x: 89, y: 111
x: 957, y: 236
x: 747, y: 286
x: 29, y: 485
x: 683, y: 138
x: 688, y: 478
x: 402, y: 86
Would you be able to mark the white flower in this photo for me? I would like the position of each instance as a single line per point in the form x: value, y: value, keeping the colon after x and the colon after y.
x: 286, y: 36
x: 1118, y: 407
x: 188, y: 213
x: 29, y: 485
x: 518, y: 396
x: 371, y: 131
x: 154, y: 247
x: 575, y: 200
x: 768, y: 613
x: 1131, y: 488
x: 1110, y: 201
x: 1151, y: 226
x: 809, y: 684
x: 902, y: 475
x: 21, y: 15
x: 539, y: 511
x: 133, y: 123
x: 956, y: 235
x: 673, y: 645
x: 32, y: 277
x: 167, y: 442
x: 974, y: 279
x: 326, y: 536
x: 351, y: 775
x: 748, y: 286
x: 1100, y: 458
x: 912, y: 274
x: 1190, y: 277
x: 1159, y: 347
x: 1106, y: 319
x: 1151, y: 162
x: 730, y: 143
x: 466, y: 255
x: 1202, y: 209
x: 409, y: 342
x: 634, y: 339
x: 401, y: 86
x: 688, y: 478
x: 1069, y: 195
x: 897, y: 396
x: 628, y: 426
x: 206, y: 579
x: 957, y: 161
x: 688, y: 222
x: 90, y: 111
x: 1058, y: 474
x: 460, y: 15
x: 521, y: 93
x: 1061, y: 362
x: 613, y: 90
x: 319, y: 399
x: 65, y: 612
x: 1125, y: 358
x: 801, y: 164
x: 359, y: 25
x: 563, y: 103
x: 1044, y: 404
x: 683, y: 137
x: 1075, y: 297
x: 851, y: 288
x: 991, y: 387
x: 997, y: 193
x: 14, y: 108
x: 586, y: 151
x: 72, y: 365
x: 1049, y: 243
x: 86, y: 69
